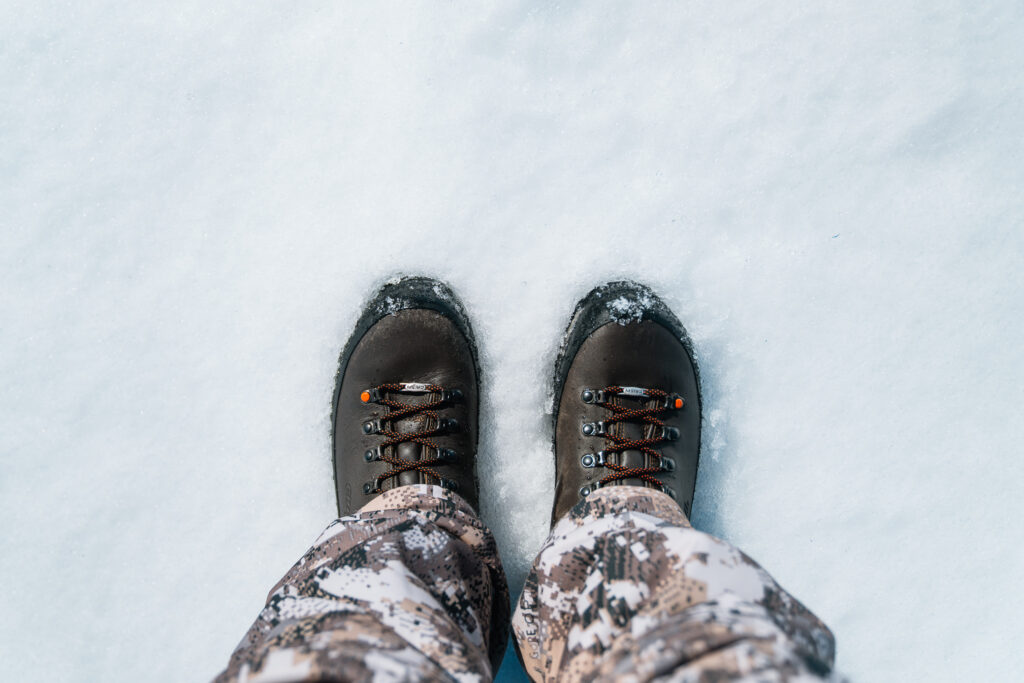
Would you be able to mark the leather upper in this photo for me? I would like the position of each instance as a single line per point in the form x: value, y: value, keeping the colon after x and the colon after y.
x: 412, y: 345
x: 642, y: 354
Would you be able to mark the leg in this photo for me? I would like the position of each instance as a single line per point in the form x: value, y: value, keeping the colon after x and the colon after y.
x: 624, y: 589
x: 408, y: 588
x: 407, y: 584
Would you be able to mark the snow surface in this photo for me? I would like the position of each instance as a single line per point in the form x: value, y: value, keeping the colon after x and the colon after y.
x: 197, y: 198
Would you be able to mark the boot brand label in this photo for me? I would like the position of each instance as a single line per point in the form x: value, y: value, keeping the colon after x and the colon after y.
x: 634, y: 391
x: 414, y: 386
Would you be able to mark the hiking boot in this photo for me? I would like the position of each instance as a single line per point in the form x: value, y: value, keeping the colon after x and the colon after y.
x: 626, y: 399
x: 405, y: 398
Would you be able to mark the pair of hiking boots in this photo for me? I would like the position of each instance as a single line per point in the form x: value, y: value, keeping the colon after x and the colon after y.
x: 626, y: 398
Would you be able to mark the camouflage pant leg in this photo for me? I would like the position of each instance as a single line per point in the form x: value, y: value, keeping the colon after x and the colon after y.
x: 624, y: 589
x: 409, y: 588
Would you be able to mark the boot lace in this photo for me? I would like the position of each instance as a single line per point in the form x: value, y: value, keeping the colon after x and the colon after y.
x: 655, y: 403
x: 397, y: 410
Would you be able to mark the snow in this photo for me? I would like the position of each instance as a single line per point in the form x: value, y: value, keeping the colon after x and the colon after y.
x: 197, y: 198
x: 628, y: 309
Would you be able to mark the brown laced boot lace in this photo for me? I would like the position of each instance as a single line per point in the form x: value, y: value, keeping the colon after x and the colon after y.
x: 396, y: 410
x: 656, y: 402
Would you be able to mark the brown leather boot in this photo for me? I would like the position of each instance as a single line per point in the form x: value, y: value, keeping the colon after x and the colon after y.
x: 405, y: 398
x: 627, y: 399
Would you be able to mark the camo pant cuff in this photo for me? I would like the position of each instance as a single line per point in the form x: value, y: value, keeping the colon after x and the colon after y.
x: 408, y: 588
x: 625, y: 589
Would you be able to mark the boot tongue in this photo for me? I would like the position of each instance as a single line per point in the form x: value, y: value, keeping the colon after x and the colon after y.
x: 409, y: 450
x: 632, y: 458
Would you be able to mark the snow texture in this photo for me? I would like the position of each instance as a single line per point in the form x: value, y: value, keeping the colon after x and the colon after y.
x: 198, y: 197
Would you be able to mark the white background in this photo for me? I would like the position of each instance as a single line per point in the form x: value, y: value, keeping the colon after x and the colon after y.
x: 196, y: 200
